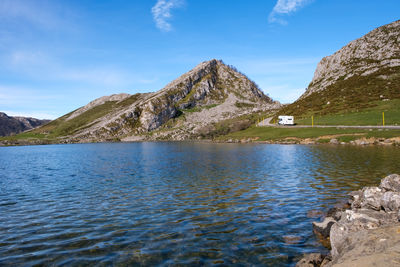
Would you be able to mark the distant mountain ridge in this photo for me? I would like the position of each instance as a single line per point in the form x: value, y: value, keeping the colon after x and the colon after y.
x: 210, y: 92
x: 13, y: 125
x: 363, y: 71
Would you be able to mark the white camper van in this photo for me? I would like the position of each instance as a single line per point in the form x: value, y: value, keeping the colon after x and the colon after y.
x: 286, y: 120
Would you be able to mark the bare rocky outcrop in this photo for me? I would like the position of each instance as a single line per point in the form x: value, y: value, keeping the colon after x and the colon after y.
x: 207, y: 94
x: 366, y: 232
x: 13, y: 125
x: 356, y: 77
x: 378, y: 49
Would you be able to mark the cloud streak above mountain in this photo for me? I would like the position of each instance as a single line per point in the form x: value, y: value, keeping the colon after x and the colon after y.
x: 162, y: 13
x: 285, y: 7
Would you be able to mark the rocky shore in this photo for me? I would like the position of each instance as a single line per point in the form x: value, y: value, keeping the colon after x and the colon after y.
x: 286, y: 141
x: 395, y: 141
x: 364, y: 232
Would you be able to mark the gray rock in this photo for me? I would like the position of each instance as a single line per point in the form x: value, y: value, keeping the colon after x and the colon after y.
x: 378, y: 247
x: 334, y: 141
x: 391, y: 183
x: 371, y: 198
x: 361, y: 142
x: 355, y: 200
x: 368, y: 234
x: 335, y: 213
x: 310, y: 260
x: 390, y: 201
x: 322, y: 230
x: 353, y: 221
x: 337, y: 237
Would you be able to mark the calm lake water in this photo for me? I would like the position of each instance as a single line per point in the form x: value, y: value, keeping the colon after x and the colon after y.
x: 174, y: 203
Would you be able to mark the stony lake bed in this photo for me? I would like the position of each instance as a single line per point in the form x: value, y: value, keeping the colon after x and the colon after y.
x: 180, y: 203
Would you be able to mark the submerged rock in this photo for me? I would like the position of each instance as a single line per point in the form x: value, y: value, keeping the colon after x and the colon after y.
x: 291, y: 239
x: 310, y: 260
x: 322, y: 230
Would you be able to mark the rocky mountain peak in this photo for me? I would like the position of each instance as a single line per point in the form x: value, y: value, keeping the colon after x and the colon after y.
x: 212, y: 91
x: 378, y: 49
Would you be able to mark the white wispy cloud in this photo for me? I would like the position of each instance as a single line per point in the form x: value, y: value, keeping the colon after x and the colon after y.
x: 162, y: 13
x: 285, y: 7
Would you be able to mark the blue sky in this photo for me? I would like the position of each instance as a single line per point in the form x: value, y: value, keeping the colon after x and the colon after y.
x: 56, y: 56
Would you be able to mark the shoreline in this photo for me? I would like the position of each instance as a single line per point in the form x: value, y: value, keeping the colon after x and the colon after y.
x: 394, y: 141
x: 363, y: 232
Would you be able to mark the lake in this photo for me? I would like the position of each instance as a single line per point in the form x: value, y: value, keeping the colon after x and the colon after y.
x: 174, y: 203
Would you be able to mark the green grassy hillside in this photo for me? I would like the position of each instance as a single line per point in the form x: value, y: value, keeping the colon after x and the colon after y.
x: 367, y: 116
x: 358, y: 100
x: 63, y: 127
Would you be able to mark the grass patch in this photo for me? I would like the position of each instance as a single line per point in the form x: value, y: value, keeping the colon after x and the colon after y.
x: 62, y: 127
x: 383, y: 133
x: 25, y: 135
x: 244, y: 105
x: 129, y: 100
x: 368, y: 116
x: 198, y: 108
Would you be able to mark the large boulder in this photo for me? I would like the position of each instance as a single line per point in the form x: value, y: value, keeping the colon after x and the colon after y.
x: 377, y: 247
x: 371, y: 198
x: 364, y: 232
x: 391, y: 183
x: 353, y: 221
x: 390, y: 201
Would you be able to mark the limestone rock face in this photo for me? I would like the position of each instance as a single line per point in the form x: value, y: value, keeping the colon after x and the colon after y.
x: 379, y: 48
x: 356, y: 77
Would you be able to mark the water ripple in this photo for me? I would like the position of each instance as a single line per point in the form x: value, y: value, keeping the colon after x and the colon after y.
x: 174, y: 203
